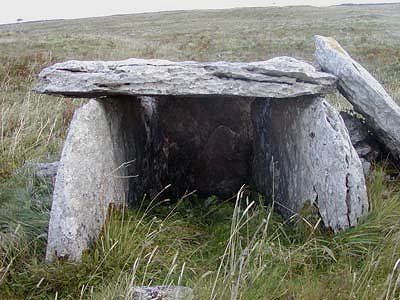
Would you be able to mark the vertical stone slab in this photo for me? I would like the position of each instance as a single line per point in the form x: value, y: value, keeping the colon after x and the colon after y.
x: 138, y: 144
x: 87, y: 182
x: 207, y: 144
x: 303, y: 153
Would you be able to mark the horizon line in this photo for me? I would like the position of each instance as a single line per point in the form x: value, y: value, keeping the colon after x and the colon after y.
x: 189, y: 10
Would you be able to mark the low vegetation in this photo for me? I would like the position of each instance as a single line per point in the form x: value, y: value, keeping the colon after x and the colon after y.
x: 223, y: 249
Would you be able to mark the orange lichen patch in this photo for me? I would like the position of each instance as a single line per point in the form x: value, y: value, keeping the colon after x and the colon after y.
x: 335, y: 45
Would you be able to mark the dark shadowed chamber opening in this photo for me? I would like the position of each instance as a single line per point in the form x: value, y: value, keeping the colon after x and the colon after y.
x: 196, y: 143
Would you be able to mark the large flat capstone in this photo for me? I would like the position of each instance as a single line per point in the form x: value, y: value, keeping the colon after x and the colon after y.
x: 368, y: 97
x: 281, y: 77
x: 209, y: 127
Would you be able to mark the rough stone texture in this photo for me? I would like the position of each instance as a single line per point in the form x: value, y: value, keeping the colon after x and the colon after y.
x: 162, y: 293
x: 281, y: 77
x: 368, y: 97
x: 303, y: 153
x: 137, y: 141
x: 44, y: 171
x: 207, y: 144
x: 85, y: 184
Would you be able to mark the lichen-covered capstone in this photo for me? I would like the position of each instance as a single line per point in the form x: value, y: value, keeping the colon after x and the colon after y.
x: 281, y: 77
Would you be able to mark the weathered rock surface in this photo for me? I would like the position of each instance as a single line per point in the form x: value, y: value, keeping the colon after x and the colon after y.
x: 281, y: 77
x: 207, y: 144
x: 368, y: 97
x: 162, y: 293
x: 303, y: 153
x: 44, y: 171
x: 190, y: 125
x: 85, y: 184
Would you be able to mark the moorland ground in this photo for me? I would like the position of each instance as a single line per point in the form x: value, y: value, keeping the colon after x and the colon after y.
x: 222, y: 250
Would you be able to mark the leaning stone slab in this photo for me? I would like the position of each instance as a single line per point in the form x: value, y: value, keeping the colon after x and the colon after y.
x: 368, y: 97
x: 303, y: 153
x: 86, y: 184
x: 161, y: 292
x: 281, y: 77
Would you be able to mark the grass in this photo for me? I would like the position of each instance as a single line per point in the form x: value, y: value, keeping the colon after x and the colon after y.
x: 223, y: 250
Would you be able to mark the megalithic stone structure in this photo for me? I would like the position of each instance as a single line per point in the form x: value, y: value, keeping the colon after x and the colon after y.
x: 209, y: 127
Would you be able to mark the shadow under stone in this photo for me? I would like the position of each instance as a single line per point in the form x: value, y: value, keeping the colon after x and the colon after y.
x: 191, y: 143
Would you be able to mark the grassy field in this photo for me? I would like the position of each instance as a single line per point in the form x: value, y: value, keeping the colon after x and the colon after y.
x: 221, y: 249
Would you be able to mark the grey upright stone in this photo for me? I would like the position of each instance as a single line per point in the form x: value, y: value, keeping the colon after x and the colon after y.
x: 368, y: 97
x: 86, y: 184
x: 303, y: 153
